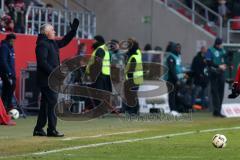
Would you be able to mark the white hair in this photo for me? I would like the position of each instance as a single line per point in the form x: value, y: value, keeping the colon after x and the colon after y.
x: 44, y: 28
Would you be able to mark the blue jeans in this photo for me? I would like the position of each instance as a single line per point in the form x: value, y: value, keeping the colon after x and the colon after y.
x: 199, y: 96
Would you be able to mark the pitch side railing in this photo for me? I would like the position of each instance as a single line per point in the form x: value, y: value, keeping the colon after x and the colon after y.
x: 199, y: 14
x: 60, y: 19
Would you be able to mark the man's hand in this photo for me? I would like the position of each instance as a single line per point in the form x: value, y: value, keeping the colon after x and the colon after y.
x: 186, y: 76
x: 10, y: 80
x: 178, y: 83
x: 74, y: 25
x: 223, y: 67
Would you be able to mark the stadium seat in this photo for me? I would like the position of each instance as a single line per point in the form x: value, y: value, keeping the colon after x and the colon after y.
x: 209, y: 29
x: 184, y: 12
x: 236, y: 24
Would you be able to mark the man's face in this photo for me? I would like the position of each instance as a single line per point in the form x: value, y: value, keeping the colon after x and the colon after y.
x: 178, y: 48
x: 84, y: 49
x: 203, y: 49
x: 50, y: 32
x: 11, y: 42
x: 114, y: 46
x: 11, y: 24
x: 219, y: 46
x: 130, y: 43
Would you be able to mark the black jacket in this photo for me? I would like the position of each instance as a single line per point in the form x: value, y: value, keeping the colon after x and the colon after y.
x: 47, y: 53
x: 7, y: 60
x: 198, y: 65
x: 172, y: 73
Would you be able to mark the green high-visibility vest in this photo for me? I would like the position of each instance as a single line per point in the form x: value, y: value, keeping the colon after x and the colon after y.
x: 105, y: 61
x: 178, y: 62
x: 139, y: 53
x: 218, y: 56
x: 138, y: 71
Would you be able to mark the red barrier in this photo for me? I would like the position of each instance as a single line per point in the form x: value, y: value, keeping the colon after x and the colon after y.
x: 25, y: 52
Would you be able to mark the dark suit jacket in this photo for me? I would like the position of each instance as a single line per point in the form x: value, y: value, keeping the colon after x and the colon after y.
x: 47, y: 53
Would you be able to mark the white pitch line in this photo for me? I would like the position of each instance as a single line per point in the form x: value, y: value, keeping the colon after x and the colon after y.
x: 101, y: 135
x: 120, y: 142
x: 219, y: 129
x: 6, y: 137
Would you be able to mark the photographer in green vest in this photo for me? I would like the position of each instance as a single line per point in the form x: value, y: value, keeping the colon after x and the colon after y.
x: 134, y: 77
x: 215, y: 57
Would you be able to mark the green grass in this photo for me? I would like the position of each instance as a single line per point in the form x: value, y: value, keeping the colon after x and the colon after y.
x: 18, y: 140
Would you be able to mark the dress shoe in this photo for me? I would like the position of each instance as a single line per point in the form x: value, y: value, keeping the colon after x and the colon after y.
x: 219, y: 115
x: 39, y: 133
x: 54, y: 133
x: 233, y: 95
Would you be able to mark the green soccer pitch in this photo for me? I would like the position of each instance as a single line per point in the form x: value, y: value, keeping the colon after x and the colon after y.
x: 113, y: 138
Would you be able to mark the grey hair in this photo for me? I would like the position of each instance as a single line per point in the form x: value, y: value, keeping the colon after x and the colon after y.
x: 44, y: 27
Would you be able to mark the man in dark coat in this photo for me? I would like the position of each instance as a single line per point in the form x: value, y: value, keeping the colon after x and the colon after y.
x: 7, y: 70
x: 216, y: 62
x: 200, y: 79
x: 47, y: 53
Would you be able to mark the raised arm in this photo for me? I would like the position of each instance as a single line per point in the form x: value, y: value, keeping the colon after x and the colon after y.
x: 70, y: 35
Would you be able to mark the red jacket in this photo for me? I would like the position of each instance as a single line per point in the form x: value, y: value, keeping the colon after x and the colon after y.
x: 4, y: 117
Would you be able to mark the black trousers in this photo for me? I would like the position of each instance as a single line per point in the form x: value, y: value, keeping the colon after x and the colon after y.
x: 172, y: 96
x: 217, y: 92
x: 7, y: 91
x: 47, y: 110
x: 103, y: 82
x: 132, y: 103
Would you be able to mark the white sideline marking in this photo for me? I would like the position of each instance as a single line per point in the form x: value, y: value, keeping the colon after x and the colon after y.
x: 113, y: 142
x: 120, y: 142
x: 101, y: 135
